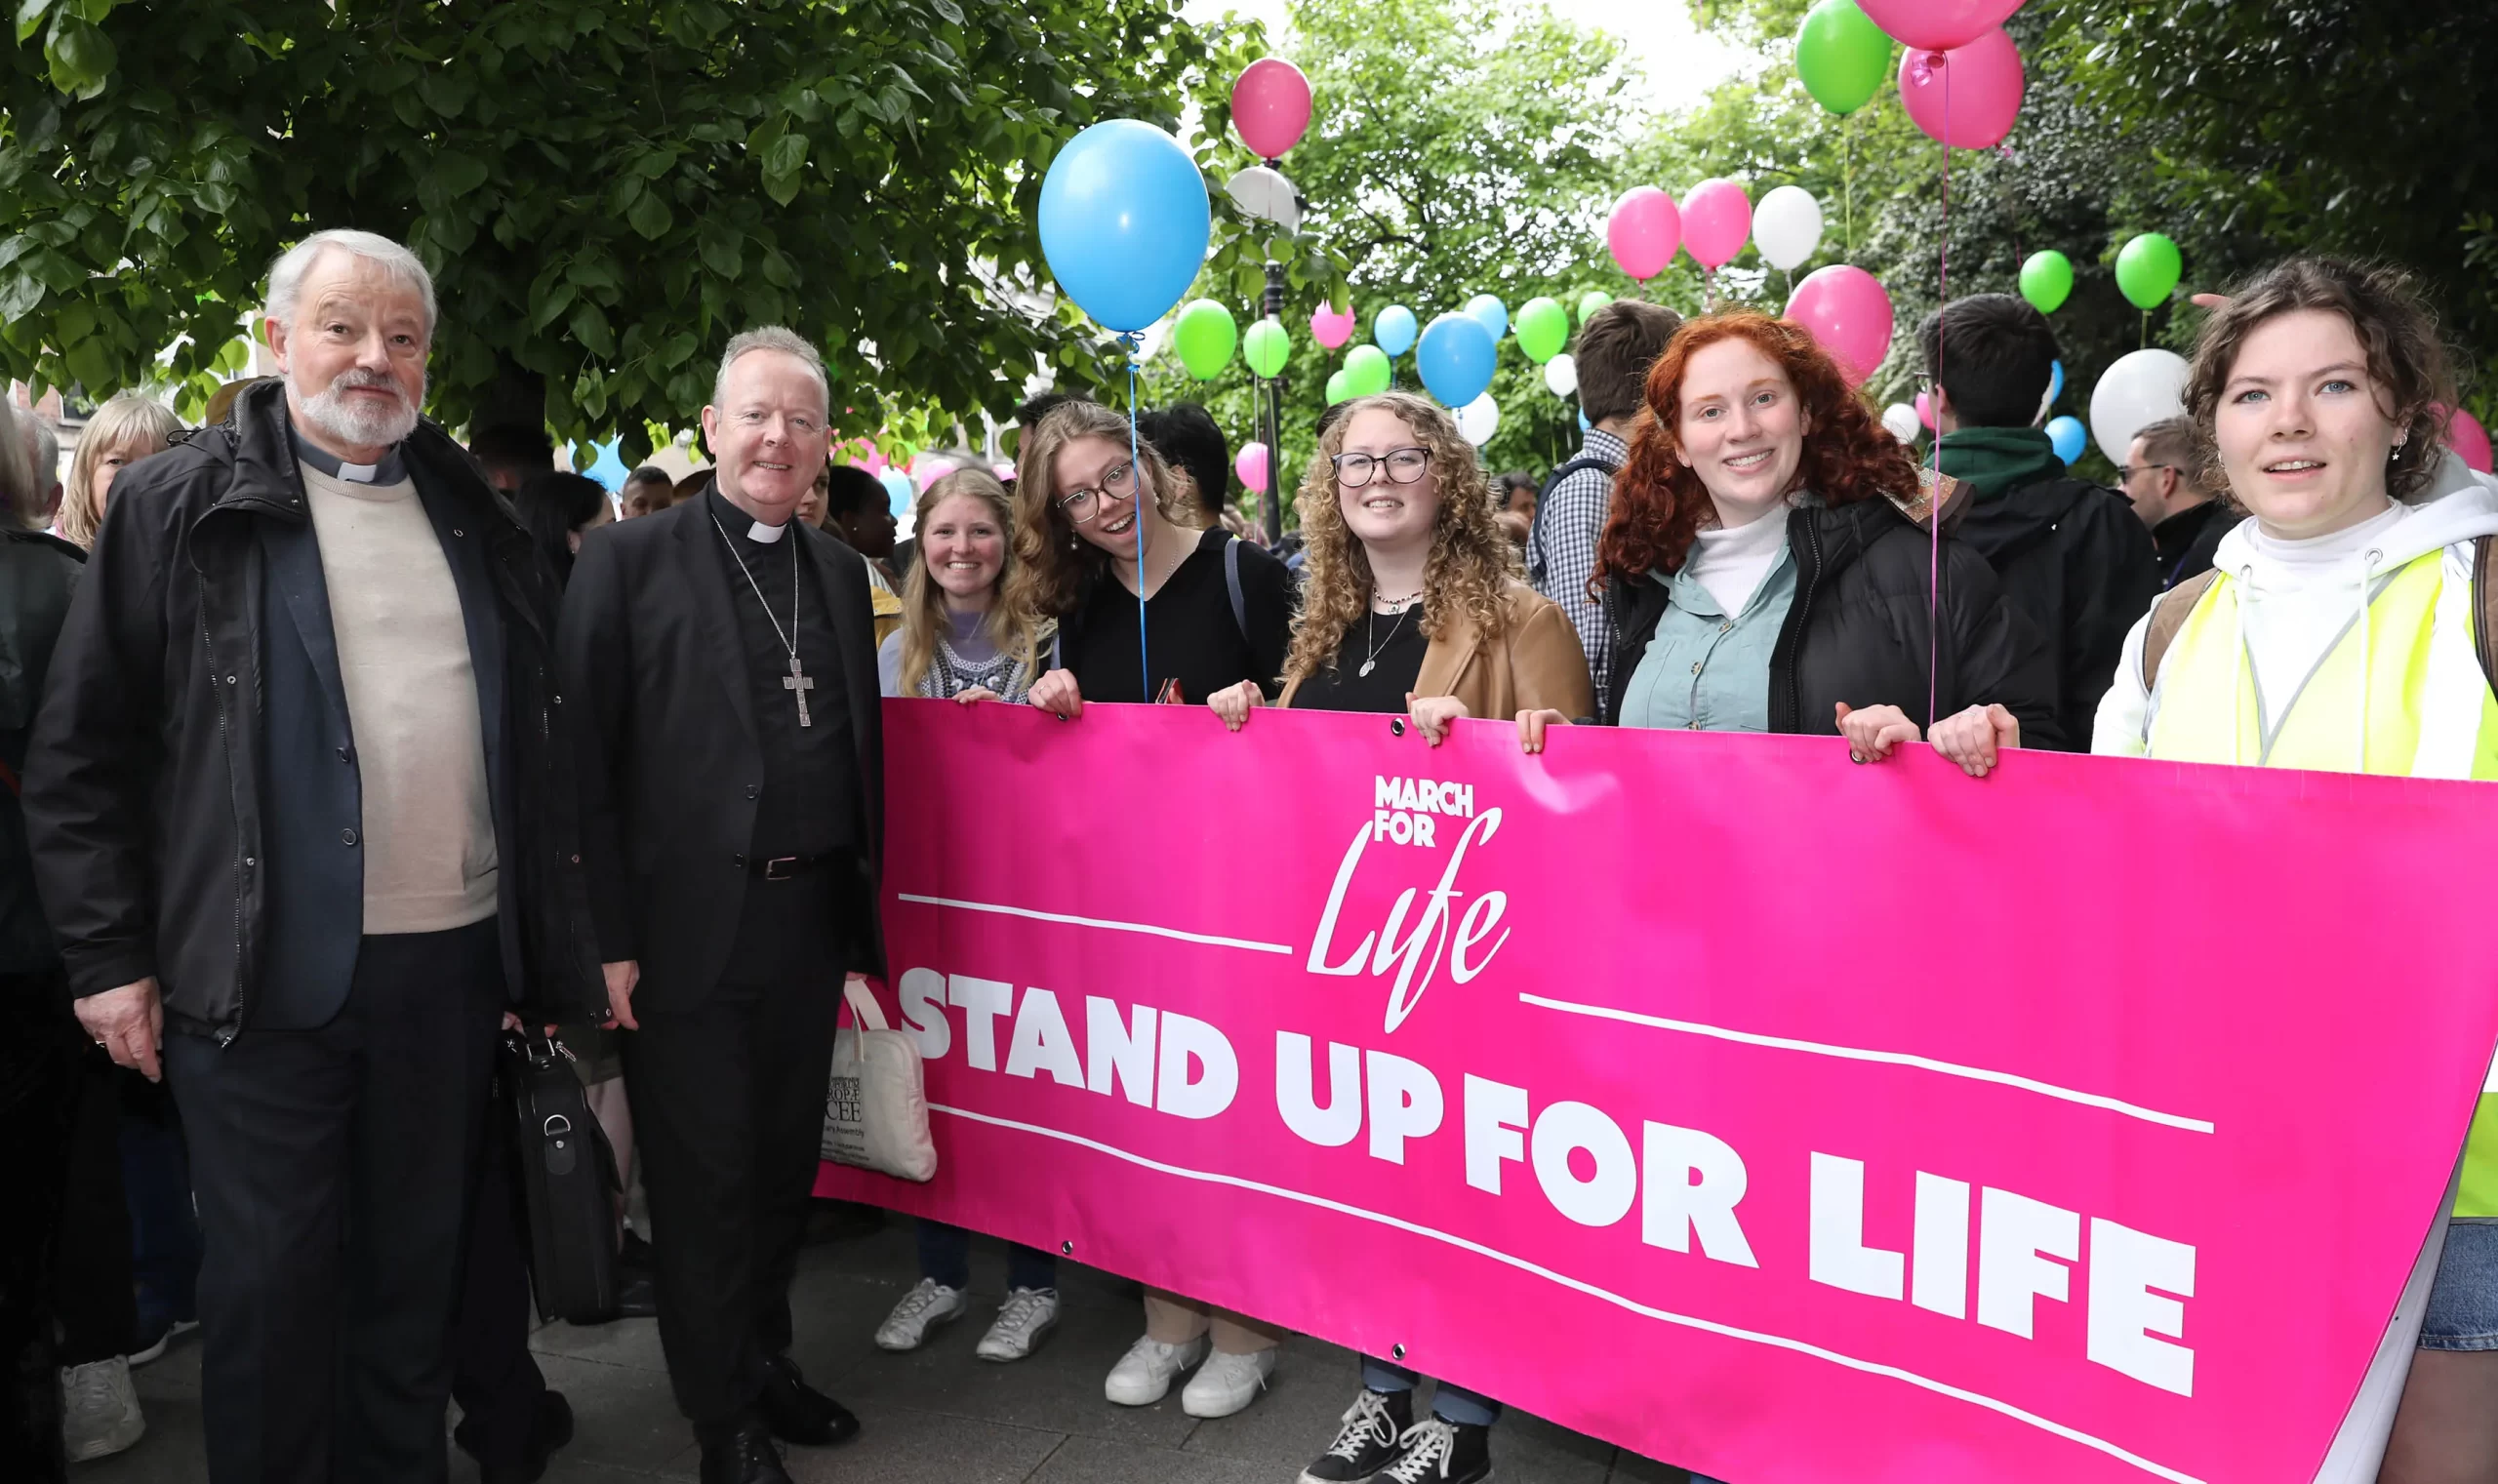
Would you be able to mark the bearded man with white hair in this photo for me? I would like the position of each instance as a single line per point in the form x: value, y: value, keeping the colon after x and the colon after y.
x: 298, y: 805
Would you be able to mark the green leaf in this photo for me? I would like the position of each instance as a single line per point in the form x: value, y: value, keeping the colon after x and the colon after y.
x: 781, y: 164
x: 721, y: 252
x: 448, y: 92
x: 81, y: 55
x: 546, y: 309
x: 90, y: 363
x: 30, y: 14
x: 948, y: 11
x: 589, y: 328
x: 457, y: 175
x: 650, y: 216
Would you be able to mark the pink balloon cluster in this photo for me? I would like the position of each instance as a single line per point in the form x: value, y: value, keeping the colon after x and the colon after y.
x: 1271, y: 106
x: 1716, y: 220
x: 1968, y: 96
x: 1938, y: 25
x: 1330, y: 326
x: 1252, y: 465
x: 1848, y: 312
x: 1644, y: 231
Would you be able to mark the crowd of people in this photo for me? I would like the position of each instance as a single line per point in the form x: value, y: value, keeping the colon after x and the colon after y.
x: 337, y: 748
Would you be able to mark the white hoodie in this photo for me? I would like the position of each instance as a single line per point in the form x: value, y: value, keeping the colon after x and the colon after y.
x: 2296, y: 598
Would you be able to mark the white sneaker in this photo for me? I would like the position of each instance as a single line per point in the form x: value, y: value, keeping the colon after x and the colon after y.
x: 1028, y: 1314
x: 1143, y: 1374
x: 1228, y: 1383
x: 99, y: 1411
x: 920, y: 1310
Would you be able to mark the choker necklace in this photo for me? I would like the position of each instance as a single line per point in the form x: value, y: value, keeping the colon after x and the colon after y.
x: 1394, y: 605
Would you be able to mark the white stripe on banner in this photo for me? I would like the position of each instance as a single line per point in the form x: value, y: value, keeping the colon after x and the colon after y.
x: 1686, y: 1321
x: 1893, y: 1057
x: 1100, y: 922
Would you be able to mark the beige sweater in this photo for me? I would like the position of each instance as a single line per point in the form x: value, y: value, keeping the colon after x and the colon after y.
x: 428, y: 837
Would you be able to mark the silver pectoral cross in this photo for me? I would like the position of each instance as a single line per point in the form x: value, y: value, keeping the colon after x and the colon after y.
x: 797, y: 683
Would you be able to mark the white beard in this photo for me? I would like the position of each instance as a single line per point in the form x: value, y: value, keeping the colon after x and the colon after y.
x: 352, y: 422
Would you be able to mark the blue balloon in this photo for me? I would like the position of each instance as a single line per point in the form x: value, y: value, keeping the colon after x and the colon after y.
x: 608, y: 469
x: 1392, y: 329
x: 1494, y: 314
x: 1124, y: 221
x: 2068, y: 437
x: 2055, y: 384
x: 1584, y: 423
x: 1455, y: 357
x: 897, y: 491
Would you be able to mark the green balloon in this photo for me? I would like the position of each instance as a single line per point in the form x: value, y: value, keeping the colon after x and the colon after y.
x: 1339, y: 385
x: 2148, y: 269
x: 1841, y: 56
x: 1265, y: 348
x: 1590, y: 301
x: 1204, y: 336
x: 1542, y: 328
x: 1366, y: 371
x: 2046, y: 280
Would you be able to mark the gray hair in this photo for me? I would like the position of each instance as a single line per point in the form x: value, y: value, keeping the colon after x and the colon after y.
x: 777, y: 337
x: 43, y: 451
x: 21, y: 497
x: 285, y: 275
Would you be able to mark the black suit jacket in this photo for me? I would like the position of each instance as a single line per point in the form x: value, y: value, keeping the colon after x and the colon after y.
x: 672, y: 764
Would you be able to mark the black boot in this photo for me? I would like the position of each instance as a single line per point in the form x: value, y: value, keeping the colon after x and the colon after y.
x: 1367, y: 1440
x: 740, y: 1451
x: 799, y: 1413
x: 1437, y: 1451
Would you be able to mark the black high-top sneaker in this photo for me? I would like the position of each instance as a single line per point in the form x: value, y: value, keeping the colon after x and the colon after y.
x: 1368, y: 1438
x: 1437, y: 1451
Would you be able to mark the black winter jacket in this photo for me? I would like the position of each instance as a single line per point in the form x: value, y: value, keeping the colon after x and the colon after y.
x: 1859, y: 632
x: 2078, y: 562
x: 148, y: 767
x: 37, y: 575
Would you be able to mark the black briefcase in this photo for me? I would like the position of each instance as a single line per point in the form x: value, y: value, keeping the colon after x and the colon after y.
x: 567, y: 1181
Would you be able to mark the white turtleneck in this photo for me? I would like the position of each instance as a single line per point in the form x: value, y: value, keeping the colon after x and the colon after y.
x: 1732, y: 563
x: 2299, y: 595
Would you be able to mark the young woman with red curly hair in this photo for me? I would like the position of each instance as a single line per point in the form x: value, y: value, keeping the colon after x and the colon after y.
x: 1768, y: 567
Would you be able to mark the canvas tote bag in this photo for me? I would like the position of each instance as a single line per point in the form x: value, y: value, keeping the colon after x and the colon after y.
x: 875, y: 1112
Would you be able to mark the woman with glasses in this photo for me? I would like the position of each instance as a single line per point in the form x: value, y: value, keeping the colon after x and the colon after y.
x: 1099, y: 519
x: 1768, y: 567
x: 1412, y: 602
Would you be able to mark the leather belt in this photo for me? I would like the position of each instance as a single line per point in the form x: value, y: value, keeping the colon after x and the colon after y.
x: 782, y: 867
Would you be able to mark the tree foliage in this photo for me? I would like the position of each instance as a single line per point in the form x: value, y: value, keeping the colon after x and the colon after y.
x: 604, y: 189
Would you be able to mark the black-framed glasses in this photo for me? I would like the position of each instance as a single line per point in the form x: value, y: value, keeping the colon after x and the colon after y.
x: 1404, y: 466
x: 1084, y: 506
x: 2125, y: 472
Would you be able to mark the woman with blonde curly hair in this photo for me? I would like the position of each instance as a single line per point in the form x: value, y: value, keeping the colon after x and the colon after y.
x: 1411, y: 599
x: 1770, y: 566
x: 1099, y: 519
x: 123, y: 432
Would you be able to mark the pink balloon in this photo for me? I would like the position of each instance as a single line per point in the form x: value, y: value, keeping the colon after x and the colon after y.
x: 1848, y: 312
x: 1331, y: 327
x: 1251, y: 465
x: 1005, y: 472
x: 932, y: 471
x: 1716, y: 220
x: 1967, y: 96
x: 2469, y: 439
x: 1925, y: 409
x: 1644, y: 231
x: 1271, y: 106
x: 1938, y: 25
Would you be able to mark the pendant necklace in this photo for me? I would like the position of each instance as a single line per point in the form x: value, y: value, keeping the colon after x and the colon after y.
x: 797, y: 682
x: 1370, y: 661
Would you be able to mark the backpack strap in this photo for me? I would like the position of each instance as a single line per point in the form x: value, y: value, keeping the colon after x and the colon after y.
x: 1553, y: 481
x: 1231, y: 581
x: 2485, y: 607
x: 2167, y: 617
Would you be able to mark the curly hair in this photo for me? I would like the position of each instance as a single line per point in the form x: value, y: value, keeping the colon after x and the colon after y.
x: 1659, y: 504
x: 1470, y: 562
x: 1014, y: 630
x: 2409, y: 364
x: 1054, y: 566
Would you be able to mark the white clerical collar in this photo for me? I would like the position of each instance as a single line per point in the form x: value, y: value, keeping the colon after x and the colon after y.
x: 764, y: 536
x: 390, y: 470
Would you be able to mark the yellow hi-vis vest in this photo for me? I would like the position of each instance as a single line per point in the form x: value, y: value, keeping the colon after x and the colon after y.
x: 2430, y: 714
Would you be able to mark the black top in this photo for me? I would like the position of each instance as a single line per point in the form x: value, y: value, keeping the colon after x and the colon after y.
x: 1195, y: 638
x: 1395, y: 645
x: 2188, y: 540
x: 807, y: 806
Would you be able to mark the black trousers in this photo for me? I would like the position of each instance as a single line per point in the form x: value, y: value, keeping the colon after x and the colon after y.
x: 728, y: 1115
x: 38, y: 1098
x: 92, y: 1278
x: 494, y: 1378
x: 332, y: 1171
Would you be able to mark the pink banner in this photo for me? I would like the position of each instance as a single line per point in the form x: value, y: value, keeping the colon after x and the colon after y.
x: 1767, y: 1115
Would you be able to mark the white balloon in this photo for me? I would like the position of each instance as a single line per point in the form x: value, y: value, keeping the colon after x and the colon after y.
x: 1561, y: 375
x: 1477, y: 420
x: 2141, y: 389
x: 1900, y: 419
x: 1786, y: 226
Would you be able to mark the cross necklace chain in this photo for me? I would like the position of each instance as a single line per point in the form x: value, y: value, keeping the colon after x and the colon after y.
x: 797, y: 682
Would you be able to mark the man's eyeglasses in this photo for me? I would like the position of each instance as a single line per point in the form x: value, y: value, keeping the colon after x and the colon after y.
x: 2125, y: 472
x: 1083, y: 506
x: 1404, y: 466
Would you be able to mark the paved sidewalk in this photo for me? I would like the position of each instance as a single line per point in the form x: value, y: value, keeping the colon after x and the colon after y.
x: 938, y: 1416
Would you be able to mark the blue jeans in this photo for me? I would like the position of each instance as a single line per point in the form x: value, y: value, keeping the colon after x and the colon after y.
x: 1450, y: 1403
x: 945, y: 1255
x: 2463, y: 1301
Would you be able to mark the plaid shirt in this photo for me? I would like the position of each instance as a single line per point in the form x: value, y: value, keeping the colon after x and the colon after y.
x: 1561, y: 551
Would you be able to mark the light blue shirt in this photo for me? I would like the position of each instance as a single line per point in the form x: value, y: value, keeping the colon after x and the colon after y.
x: 1704, y: 671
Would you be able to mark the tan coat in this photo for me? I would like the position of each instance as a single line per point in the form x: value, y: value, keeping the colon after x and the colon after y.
x: 1537, y: 665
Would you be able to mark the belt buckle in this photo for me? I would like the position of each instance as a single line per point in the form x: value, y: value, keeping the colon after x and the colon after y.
x: 773, y: 869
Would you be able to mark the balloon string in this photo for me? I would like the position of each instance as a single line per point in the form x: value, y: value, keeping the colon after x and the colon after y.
x: 1136, y: 482
x: 1934, y: 400
x: 1847, y: 182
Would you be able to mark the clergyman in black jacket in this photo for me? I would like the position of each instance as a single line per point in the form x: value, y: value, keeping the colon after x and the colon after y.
x: 2070, y: 554
x: 300, y: 812
x: 733, y: 793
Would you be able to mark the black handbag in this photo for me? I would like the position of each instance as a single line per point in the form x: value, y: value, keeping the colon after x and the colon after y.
x: 566, y: 1180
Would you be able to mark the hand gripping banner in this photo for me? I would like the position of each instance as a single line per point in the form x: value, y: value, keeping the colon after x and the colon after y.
x: 1767, y: 1114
